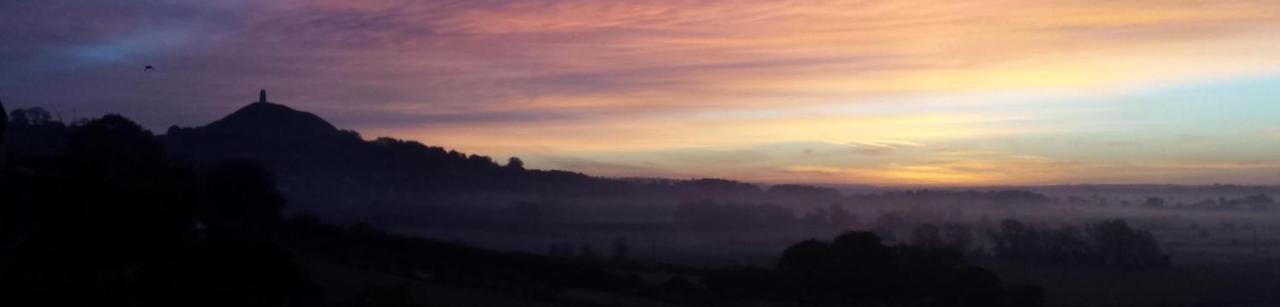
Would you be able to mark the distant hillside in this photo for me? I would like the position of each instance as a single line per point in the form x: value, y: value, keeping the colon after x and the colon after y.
x: 340, y: 176
x: 335, y: 172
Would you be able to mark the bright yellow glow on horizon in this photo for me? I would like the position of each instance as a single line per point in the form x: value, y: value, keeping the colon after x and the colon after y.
x: 610, y: 81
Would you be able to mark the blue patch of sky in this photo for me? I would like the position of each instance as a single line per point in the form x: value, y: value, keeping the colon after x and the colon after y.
x: 1226, y: 119
x: 130, y: 46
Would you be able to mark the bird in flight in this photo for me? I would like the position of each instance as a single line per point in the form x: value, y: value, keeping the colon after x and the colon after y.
x: 148, y: 68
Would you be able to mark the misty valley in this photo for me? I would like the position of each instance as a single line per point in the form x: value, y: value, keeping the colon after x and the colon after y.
x: 718, y: 153
x: 270, y: 206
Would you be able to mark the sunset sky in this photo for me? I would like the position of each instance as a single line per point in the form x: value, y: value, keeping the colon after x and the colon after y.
x: 979, y: 92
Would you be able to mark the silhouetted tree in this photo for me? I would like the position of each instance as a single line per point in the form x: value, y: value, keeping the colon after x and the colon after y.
x: 927, y: 236
x: 30, y: 117
x: 1065, y: 245
x: 840, y: 217
x: 1154, y: 202
x: 1119, y: 245
x: 515, y: 163
x: 856, y: 269
x: 1260, y: 202
x: 1110, y: 243
x: 888, y: 224
x: 116, y: 147
x: 1251, y: 202
x: 240, y: 201
x: 959, y: 237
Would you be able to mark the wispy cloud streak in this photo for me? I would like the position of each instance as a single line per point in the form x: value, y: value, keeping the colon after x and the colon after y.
x: 597, y: 79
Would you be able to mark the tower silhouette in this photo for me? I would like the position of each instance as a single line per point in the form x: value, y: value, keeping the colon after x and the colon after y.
x: 262, y: 96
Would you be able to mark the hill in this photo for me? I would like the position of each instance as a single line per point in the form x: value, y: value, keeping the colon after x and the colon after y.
x: 340, y: 176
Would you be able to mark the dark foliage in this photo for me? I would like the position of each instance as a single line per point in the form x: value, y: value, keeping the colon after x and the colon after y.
x: 31, y: 133
x: 1256, y: 202
x: 109, y: 221
x: 1109, y: 243
x: 856, y: 269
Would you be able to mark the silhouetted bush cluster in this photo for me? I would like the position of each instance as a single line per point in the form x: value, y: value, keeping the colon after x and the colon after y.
x: 856, y: 269
x: 107, y: 220
x: 1256, y: 202
x: 950, y: 236
x: 32, y: 133
x: 1107, y: 244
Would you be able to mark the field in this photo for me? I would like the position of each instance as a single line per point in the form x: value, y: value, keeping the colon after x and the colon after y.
x: 1216, y: 267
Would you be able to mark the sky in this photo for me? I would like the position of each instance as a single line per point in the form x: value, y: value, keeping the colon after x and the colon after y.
x: 979, y: 92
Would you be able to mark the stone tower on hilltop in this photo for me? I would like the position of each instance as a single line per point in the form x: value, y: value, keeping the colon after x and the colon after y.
x: 262, y: 96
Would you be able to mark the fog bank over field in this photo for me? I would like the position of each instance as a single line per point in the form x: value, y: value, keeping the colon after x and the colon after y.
x: 397, y: 190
